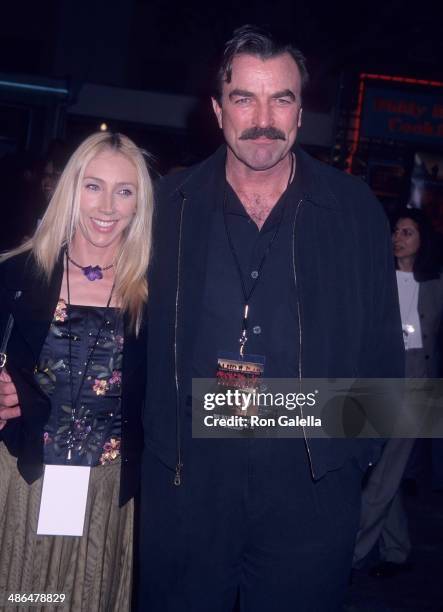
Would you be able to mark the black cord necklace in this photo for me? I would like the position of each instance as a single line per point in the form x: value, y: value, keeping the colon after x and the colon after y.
x: 72, y: 437
x: 92, y: 273
x: 247, y: 295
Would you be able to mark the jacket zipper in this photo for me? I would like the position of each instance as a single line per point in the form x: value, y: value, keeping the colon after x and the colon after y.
x: 179, y: 464
x: 300, y: 334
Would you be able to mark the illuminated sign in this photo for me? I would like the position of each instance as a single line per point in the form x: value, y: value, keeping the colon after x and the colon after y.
x: 391, y: 114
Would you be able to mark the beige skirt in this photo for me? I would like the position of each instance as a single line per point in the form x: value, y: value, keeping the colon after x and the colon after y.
x: 94, y: 571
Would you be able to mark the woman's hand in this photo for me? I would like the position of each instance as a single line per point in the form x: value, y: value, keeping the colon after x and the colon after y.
x: 9, y: 408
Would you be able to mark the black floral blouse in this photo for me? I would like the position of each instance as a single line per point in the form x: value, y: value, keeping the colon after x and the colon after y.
x: 96, y: 429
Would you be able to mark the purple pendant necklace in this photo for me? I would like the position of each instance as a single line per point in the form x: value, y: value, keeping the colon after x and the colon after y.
x: 73, y: 434
x: 92, y: 273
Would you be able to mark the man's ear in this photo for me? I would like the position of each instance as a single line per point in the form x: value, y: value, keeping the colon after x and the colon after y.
x: 300, y: 113
x: 218, y: 112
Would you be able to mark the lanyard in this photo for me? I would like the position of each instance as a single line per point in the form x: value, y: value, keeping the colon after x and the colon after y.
x: 72, y: 438
x: 247, y: 295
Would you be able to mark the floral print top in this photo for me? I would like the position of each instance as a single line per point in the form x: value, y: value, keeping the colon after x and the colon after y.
x: 96, y: 430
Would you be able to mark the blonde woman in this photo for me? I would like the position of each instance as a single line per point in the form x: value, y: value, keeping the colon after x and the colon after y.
x: 72, y: 389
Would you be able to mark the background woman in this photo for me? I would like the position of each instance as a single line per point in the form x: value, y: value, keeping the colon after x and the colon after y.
x: 419, y: 274
x: 420, y: 290
x: 75, y: 372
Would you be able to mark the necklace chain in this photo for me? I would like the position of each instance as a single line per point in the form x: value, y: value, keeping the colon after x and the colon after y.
x: 83, y: 267
x: 247, y: 295
x: 92, y: 273
x: 75, y: 400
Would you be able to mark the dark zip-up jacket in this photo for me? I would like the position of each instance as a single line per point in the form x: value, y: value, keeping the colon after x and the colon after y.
x: 349, y: 317
x: 33, y: 312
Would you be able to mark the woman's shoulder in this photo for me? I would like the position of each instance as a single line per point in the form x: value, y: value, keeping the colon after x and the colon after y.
x: 438, y: 280
x: 434, y: 286
x: 15, y: 269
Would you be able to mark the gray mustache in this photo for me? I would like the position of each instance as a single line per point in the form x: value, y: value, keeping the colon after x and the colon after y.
x: 257, y: 132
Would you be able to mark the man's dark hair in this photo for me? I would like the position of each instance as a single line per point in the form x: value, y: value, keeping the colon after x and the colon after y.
x: 252, y: 40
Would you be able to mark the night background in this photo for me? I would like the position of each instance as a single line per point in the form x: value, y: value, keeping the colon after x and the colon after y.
x: 145, y: 68
x: 170, y: 48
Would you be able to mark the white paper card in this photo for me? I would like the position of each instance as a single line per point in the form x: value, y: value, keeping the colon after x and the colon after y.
x: 63, y: 502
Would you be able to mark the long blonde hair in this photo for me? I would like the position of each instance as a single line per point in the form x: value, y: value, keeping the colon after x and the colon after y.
x: 61, y: 219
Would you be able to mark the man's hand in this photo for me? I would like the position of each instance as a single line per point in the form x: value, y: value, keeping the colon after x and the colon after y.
x: 9, y: 408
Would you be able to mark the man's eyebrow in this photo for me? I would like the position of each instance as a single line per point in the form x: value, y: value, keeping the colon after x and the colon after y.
x: 285, y: 93
x: 244, y: 93
x: 240, y: 92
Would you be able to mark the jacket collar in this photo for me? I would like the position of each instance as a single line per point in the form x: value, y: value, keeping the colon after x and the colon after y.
x: 199, y: 191
x: 201, y: 177
x: 315, y: 186
x: 314, y: 182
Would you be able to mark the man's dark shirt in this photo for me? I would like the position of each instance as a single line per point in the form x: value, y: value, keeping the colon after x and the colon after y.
x: 273, y: 321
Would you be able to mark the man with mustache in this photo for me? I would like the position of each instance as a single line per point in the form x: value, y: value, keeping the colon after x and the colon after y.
x: 267, y: 257
x: 263, y: 256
